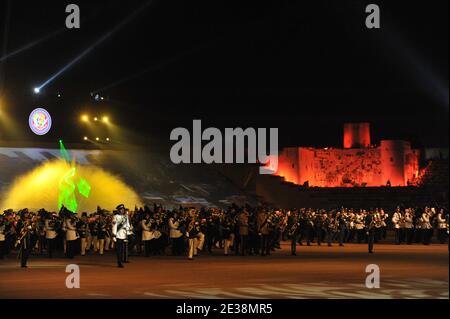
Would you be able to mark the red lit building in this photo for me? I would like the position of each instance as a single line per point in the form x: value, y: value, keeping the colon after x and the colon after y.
x: 393, y: 162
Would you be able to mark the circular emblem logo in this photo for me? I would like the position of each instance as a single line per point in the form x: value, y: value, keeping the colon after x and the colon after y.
x: 40, y: 121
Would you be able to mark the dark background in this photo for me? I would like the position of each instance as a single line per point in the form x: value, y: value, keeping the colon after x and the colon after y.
x: 305, y: 67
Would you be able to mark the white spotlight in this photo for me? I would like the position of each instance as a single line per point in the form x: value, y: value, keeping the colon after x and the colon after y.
x: 37, y: 90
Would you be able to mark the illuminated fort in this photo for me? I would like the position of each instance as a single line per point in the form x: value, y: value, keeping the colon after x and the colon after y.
x: 358, y: 163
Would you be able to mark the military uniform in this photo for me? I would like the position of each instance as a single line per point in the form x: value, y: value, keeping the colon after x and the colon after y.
x: 294, y: 231
x: 192, y: 234
x: 243, y: 232
x: 101, y: 235
x: 370, y: 227
x: 25, y: 228
x: 50, y: 235
x: 408, y: 226
x: 120, y: 228
x: 71, y: 236
x: 262, y: 224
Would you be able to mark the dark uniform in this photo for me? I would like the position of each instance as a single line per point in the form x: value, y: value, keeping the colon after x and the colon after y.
x: 294, y: 232
x: 24, y: 230
x: 370, y: 228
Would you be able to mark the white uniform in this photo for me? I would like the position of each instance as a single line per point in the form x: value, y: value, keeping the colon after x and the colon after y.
x: 71, y: 230
x: 147, y: 233
x: 396, y: 218
x: 359, y: 221
x: 121, y: 226
x: 50, y: 232
x: 426, y: 221
x: 408, y: 221
x: 442, y: 223
x: 174, y: 231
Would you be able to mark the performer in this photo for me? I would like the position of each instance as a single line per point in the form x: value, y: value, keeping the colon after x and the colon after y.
x: 101, y: 234
x: 359, y: 226
x: 442, y: 226
x: 243, y: 223
x: 396, y: 221
x: 408, y: 224
x: 262, y: 224
x: 70, y: 226
x: 427, y: 229
x: 383, y: 229
x: 227, y: 234
x: 50, y: 233
x: 371, y: 221
x: 294, y: 232
x: 309, y: 220
x: 192, y: 233
x: 147, y: 234
x: 120, y: 229
x: 332, y: 226
x: 175, y: 234
x: 24, y: 229
x: 342, y: 222
x: 83, y: 231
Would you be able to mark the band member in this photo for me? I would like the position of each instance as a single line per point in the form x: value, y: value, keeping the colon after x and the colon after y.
x: 120, y: 229
x: 107, y: 233
x: 24, y: 240
x: 101, y: 234
x: 147, y: 234
x: 70, y: 228
x: 427, y: 229
x: 40, y: 231
x: 370, y: 222
x: 294, y: 231
x: 83, y: 231
x: 50, y: 234
x: 309, y: 219
x: 442, y: 226
x: 383, y: 228
x: 342, y: 222
x: 359, y: 226
x: 262, y: 224
x: 227, y: 234
x: 93, y: 232
x: 396, y: 221
x: 332, y: 226
x: 243, y: 231
x: 408, y: 224
x: 192, y: 233
x: 175, y: 235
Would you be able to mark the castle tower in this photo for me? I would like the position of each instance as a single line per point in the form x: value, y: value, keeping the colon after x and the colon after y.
x: 356, y: 135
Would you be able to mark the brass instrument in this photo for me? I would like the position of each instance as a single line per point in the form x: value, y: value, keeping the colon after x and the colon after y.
x: 27, y: 227
x: 293, y: 228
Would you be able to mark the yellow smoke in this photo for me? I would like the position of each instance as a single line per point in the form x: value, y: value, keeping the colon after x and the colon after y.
x: 40, y: 189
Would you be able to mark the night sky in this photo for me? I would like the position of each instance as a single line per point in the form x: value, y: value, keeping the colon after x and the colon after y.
x: 305, y: 67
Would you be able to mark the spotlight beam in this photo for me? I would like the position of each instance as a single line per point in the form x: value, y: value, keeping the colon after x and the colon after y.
x: 97, y: 43
x: 32, y: 44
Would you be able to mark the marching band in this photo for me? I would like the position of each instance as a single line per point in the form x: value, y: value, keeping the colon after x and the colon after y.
x: 188, y: 231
